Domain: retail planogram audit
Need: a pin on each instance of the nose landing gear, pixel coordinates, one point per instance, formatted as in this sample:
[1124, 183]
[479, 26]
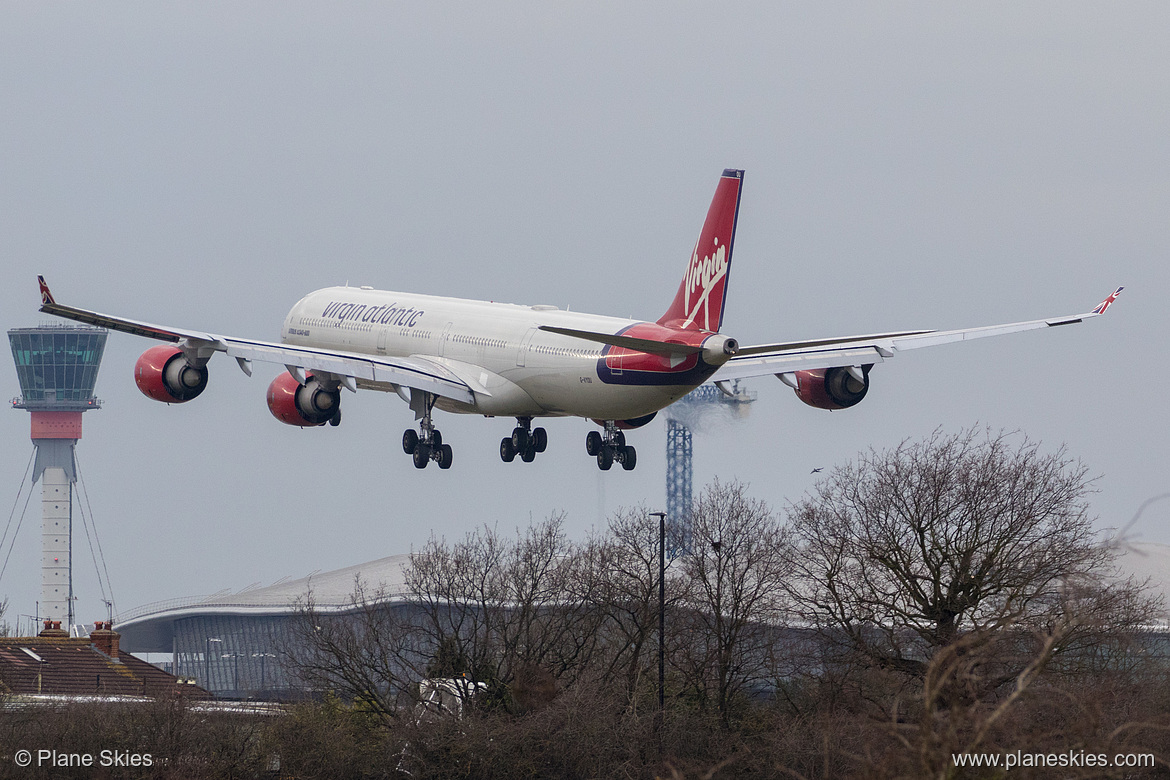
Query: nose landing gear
[610, 448]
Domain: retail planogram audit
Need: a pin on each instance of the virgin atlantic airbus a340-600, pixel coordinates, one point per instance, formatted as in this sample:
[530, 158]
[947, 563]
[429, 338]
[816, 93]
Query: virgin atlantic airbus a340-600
[506, 360]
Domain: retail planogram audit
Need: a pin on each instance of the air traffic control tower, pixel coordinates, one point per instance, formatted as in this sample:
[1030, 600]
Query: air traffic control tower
[57, 367]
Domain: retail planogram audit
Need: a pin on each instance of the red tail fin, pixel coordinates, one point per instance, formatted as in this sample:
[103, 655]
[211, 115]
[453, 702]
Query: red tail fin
[699, 302]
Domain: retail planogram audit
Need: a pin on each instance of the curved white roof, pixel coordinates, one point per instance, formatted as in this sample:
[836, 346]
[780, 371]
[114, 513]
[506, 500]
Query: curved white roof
[1149, 560]
[150, 628]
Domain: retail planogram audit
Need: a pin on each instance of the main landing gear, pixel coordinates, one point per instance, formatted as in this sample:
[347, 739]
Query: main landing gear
[525, 441]
[611, 447]
[427, 444]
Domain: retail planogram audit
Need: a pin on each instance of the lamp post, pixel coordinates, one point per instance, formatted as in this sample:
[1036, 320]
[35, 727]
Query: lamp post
[263, 657]
[207, 662]
[236, 678]
[661, 611]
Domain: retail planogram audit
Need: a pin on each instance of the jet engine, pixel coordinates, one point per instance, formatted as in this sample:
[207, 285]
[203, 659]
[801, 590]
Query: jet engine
[832, 388]
[303, 405]
[163, 373]
[636, 422]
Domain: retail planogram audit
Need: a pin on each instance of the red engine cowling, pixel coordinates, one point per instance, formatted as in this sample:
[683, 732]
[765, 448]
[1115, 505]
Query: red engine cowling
[302, 405]
[163, 373]
[627, 425]
[831, 388]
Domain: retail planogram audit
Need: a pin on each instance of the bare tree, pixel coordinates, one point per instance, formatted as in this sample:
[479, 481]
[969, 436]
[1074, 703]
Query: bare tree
[946, 597]
[735, 574]
[903, 551]
[368, 653]
[629, 594]
[510, 612]
[963, 568]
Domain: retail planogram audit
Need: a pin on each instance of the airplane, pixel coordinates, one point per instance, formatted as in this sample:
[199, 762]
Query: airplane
[527, 362]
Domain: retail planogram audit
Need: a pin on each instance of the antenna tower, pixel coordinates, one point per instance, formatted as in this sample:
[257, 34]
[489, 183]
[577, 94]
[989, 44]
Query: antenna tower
[688, 412]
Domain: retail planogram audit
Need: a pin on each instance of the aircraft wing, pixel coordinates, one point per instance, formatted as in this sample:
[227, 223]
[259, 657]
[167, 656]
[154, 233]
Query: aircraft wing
[847, 351]
[349, 367]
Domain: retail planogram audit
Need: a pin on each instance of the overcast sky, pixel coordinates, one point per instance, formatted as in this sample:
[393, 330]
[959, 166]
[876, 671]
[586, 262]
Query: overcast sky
[908, 166]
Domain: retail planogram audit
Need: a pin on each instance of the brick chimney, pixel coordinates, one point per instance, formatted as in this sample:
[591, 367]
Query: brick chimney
[53, 629]
[105, 639]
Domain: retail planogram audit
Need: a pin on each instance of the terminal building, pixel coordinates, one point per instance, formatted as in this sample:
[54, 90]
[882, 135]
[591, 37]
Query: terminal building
[231, 644]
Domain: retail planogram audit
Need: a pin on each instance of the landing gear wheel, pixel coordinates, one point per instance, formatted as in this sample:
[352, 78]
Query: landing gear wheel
[520, 439]
[335, 420]
[528, 455]
[426, 444]
[422, 456]
[610, 446]
[629, 458]
[539, 439]
[593, 443]
[507, 451]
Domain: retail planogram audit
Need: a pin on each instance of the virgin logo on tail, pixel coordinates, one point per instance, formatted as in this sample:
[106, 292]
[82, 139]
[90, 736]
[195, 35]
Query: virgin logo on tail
[703, 276]
[699, 301]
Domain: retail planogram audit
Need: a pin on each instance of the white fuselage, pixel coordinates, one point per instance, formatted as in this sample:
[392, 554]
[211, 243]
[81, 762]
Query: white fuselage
[513, 368]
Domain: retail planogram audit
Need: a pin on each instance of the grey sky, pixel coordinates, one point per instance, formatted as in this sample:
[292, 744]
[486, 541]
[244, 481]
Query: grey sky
[908, 165]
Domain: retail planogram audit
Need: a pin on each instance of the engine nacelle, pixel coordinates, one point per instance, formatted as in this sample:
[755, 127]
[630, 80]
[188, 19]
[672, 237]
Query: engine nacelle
[636, 422]
[831, 388]
[163, 373]
[302, 405]
[718, 349]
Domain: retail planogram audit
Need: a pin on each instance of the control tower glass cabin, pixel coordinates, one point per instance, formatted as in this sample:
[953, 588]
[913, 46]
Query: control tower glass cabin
[57, 367]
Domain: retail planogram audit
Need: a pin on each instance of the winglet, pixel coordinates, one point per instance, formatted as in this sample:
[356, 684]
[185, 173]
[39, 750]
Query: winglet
[1105, 304]
[46, 296]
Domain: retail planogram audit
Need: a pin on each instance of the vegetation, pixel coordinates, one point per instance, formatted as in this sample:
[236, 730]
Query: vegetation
[948, 596]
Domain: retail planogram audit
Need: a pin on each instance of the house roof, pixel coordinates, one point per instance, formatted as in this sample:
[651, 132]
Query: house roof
[72, 666]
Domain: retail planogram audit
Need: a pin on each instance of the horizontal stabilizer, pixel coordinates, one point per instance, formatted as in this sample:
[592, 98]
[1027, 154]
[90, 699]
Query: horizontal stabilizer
[627, 342]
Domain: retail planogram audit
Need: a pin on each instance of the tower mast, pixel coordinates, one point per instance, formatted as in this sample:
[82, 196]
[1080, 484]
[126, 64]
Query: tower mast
[684, 415]
[57, 368]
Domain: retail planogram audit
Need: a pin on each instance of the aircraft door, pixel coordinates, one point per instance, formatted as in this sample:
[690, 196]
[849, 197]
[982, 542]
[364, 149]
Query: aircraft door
[443, 338]
[525, 343]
